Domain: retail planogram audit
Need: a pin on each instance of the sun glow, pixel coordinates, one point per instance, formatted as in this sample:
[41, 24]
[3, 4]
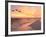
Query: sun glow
[24, 11]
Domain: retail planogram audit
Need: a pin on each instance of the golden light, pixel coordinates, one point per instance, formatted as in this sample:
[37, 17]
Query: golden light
[26, 11]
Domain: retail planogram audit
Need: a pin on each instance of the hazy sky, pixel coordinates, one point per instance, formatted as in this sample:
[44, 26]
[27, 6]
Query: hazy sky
[26, 11]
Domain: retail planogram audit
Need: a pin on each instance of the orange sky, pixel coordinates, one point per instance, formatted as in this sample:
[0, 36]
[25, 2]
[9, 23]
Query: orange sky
[27, 11]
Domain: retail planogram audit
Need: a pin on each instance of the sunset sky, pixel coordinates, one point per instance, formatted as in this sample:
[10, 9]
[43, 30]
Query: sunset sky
[25, 11]
[25, 18]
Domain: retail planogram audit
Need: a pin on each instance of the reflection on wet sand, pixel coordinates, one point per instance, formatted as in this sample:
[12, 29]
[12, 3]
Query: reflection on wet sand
[22, 24]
